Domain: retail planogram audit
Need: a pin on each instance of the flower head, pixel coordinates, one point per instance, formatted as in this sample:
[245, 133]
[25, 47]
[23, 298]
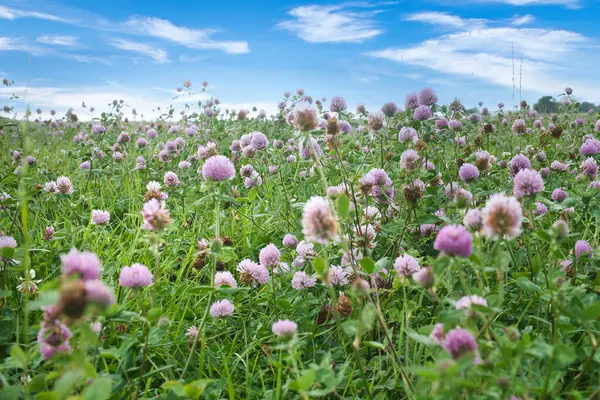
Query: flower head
[459, 342]
[406, 265]
[427, 97]
[528, 182]
[303, 281]
[135, 276]
[225, 278]
[318, 222]
[468, 172]
[100, 217]
[252, 273]
[85, 264]
[155, 216]
[269, 256]
[218, 168]
[422, 113]
[502, 216]
[221, 309]
[454, 240]
[284, 328]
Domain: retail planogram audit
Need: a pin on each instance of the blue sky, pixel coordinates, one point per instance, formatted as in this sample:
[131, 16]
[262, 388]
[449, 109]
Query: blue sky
[66, 52]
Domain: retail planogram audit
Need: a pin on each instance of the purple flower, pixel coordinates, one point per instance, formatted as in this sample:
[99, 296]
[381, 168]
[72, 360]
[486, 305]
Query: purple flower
[259, 141]
[559, 195]
[290, 241]
[568, 91]
[473, 219]
[409, 160]
[528, 182]
[518, 163]
[218, 168]
[474, 118]
[389, 109]
[597, 126]
[424, 277]
[459, 342]
[406, 265]
[302, 281]
[422, 113]
[221, 309]
[156, 217]
[590, 147]
[135, 276]
[376, 121]
[337, 276]
[407, 134]
[85, 264]
[337, 104]
[559, 166]
[269, 256]
[309, 149]
[437, 334]
[99, 294]
[454, 240]
[284, 328]
[583, 247]
[589, 167]
[98, 129]
[466, 302]
[64, 185]
[441, 124]
[502, 217]
[519, 127]
[151, 133]
[427, 97]
[540, 208]
[53, 338]
[100, 217]
[225, 278]
[455, 125]
[171, 179]
[318, 222]
[252, 273]
[468, 172]
[411, 101]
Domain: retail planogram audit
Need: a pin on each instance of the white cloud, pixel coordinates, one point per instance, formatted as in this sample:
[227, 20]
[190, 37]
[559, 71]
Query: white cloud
[443, 19]
[331, 24]
[489, 54]
[23, 45]
[192, 38]
[566, 3]
[159, 55]
[519, 20]
[58, 40]
[146, 103]
[12, 14]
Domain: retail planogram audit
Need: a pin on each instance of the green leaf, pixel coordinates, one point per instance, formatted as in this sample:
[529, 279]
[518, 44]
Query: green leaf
[10, 393]
[368, 265]
[66, 384]
[8, 252]
[304, 382]
[100, 389]
[45, 298]
[155, 313]
[320, 266]
[176, 387]
[427, 219]
[376, 345]
[343, 206]
[592, 312]
[252, 194]
[367, 316]
[382, 263]
[18, 356]
[526, 285]
[37, 383]
[417, 337]
[196, 388]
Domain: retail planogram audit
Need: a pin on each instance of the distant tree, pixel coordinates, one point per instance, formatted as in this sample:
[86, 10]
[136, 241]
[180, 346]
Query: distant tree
[546, 104]
[586, 106]
[472, 110]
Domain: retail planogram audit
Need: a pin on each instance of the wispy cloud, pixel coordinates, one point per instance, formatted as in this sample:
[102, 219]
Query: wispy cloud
[158, 55]
[58, 40]
[565, 3]
[443, 19]
[13, 13]
[519, 20]
[332, 24]
[188, 37]
[488, 54]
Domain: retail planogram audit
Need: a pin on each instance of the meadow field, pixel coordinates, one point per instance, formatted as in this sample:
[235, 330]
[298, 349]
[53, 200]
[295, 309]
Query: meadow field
[420, 251]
